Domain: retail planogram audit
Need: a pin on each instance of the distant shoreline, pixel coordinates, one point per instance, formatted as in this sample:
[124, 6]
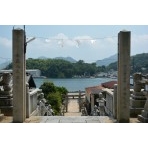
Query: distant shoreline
[40, 77]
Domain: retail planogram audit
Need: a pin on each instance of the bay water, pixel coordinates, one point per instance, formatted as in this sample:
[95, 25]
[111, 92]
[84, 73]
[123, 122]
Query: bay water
[73, 84]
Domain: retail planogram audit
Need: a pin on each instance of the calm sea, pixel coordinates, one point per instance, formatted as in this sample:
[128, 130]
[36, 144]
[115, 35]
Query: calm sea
[74, 84]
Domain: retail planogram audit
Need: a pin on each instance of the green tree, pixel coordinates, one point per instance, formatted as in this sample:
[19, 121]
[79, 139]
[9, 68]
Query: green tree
[54, 95]
[55, 100]
[62, 90]
[48, 87]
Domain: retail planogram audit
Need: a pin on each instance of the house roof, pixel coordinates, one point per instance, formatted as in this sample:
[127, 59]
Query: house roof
[94, 89]
[109, 84]
[99, 88]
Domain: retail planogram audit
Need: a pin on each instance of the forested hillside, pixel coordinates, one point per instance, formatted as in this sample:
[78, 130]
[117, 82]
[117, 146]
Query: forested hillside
[139, 63]
[59, 68]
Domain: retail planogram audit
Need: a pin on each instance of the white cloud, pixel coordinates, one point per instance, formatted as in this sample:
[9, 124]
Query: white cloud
[4, 42]
[5, 49]
[86, 48]
[64, 41]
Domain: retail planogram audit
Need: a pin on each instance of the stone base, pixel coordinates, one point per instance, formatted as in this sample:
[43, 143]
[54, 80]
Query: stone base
[124, 121]
[142, 119]
[134, 112]
[137, 103]
[136, 106]
[7, 111]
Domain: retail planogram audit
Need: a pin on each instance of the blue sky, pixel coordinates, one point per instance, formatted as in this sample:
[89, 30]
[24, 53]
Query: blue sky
[85, 42]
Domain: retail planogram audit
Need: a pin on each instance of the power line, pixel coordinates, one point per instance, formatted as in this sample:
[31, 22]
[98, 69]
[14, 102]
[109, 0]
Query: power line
[76, 38]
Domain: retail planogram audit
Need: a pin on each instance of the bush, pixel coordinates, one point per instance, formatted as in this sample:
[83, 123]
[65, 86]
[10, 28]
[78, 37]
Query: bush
[48, 87]
[54, 95]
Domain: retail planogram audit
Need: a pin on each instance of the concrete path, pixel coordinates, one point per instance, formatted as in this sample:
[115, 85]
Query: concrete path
[73, 108]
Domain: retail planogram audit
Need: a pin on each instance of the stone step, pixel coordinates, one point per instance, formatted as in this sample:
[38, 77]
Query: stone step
[68, 119]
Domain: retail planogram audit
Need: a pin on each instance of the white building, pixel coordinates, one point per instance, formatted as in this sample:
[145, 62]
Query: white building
[33, 72]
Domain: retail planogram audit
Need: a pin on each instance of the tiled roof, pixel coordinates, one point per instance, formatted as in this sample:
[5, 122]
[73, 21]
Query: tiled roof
[94, 89]
[109, 84]
[99, 88]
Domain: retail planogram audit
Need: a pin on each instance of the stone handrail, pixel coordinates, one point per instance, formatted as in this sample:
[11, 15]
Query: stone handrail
[34, 91]
[32, 101]
[109, 101]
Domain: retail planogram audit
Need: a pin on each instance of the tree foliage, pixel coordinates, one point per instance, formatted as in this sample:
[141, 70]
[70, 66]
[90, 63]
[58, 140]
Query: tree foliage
[48, 87]
[59, 68]
[55, 100]
[54, 95]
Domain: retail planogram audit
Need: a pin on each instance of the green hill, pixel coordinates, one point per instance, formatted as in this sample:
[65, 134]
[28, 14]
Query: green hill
[139, 63]
[59, 68]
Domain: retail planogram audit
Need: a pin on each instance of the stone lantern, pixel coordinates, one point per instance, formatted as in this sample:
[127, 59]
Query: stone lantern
[144, 113]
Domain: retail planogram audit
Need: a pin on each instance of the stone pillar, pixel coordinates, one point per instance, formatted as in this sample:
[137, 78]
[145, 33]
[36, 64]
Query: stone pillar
[123, 90]
[25, 95]
[19, 75]
[115, 101]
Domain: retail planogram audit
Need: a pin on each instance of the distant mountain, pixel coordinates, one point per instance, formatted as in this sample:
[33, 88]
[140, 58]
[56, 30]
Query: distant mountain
[42, 57]
[67, 59]
[107, 61]
[3, 65]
